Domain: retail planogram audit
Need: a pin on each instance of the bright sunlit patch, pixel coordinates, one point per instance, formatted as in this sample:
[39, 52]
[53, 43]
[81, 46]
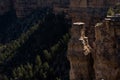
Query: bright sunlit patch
[78, 23]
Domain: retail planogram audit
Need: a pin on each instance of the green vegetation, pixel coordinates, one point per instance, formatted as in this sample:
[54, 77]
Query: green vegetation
[110, 12]
[39, 53]
[117, 8]
[41, 69]
[14, 45]
[114, 10]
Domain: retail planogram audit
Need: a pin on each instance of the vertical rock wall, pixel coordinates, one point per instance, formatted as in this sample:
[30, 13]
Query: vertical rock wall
[106, 61]
[79, 60]
[102, 63]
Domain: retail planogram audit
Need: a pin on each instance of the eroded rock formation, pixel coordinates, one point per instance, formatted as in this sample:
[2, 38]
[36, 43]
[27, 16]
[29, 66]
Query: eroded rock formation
[106, 56]
[96, 55]
[102, 63]
[78, 51]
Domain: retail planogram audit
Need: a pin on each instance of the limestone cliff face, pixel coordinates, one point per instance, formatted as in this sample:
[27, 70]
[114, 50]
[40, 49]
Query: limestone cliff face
[106, 56]
[78, 51]
[102, 63]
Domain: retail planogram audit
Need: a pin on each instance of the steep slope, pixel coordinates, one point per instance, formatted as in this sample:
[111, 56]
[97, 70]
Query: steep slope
[102, 63]
[41, 48]
[106, 56]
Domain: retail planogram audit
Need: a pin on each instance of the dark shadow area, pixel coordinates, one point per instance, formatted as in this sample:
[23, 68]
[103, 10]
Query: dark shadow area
[51, 34]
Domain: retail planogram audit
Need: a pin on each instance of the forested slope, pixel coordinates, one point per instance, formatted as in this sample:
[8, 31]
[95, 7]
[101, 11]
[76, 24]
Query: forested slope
[39, 53]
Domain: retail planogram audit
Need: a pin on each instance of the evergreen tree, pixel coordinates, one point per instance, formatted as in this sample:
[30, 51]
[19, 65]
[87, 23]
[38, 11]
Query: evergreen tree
[38, 63]
[110, 12]
[47, 55]
[45, 66]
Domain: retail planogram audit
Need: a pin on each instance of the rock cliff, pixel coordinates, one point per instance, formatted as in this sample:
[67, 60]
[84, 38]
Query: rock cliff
[93, 50]
[102, 62]
[106, 56]
[25, 7]
[78, 54]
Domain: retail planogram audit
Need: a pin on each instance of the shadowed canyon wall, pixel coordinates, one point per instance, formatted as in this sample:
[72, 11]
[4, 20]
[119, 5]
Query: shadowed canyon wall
[25, 7]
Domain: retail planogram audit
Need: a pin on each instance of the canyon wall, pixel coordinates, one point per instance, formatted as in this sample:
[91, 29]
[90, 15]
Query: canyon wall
[78, 54]
[107, 46]
[98, 57]
[25, 7]
[102, 63]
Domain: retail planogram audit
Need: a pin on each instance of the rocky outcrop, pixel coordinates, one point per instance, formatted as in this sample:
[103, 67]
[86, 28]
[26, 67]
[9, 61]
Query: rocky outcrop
[93, 52]
[106, 56]
[78, 50]
[102, 63]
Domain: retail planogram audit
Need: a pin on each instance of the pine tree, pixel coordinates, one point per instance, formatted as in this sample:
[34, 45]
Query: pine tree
[46, 66]
[30, 70]
[47, 55]
[38, 63]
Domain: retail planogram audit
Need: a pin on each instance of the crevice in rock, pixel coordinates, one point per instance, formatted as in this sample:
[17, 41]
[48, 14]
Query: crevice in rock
[91, 67]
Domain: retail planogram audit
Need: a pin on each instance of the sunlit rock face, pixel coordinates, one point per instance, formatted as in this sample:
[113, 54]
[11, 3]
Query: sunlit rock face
[77, 55]
[107, 54]
[104, 55]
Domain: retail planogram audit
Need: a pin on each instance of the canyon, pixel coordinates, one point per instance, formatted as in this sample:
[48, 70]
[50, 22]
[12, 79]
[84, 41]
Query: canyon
[102, 59]
[94, 47]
